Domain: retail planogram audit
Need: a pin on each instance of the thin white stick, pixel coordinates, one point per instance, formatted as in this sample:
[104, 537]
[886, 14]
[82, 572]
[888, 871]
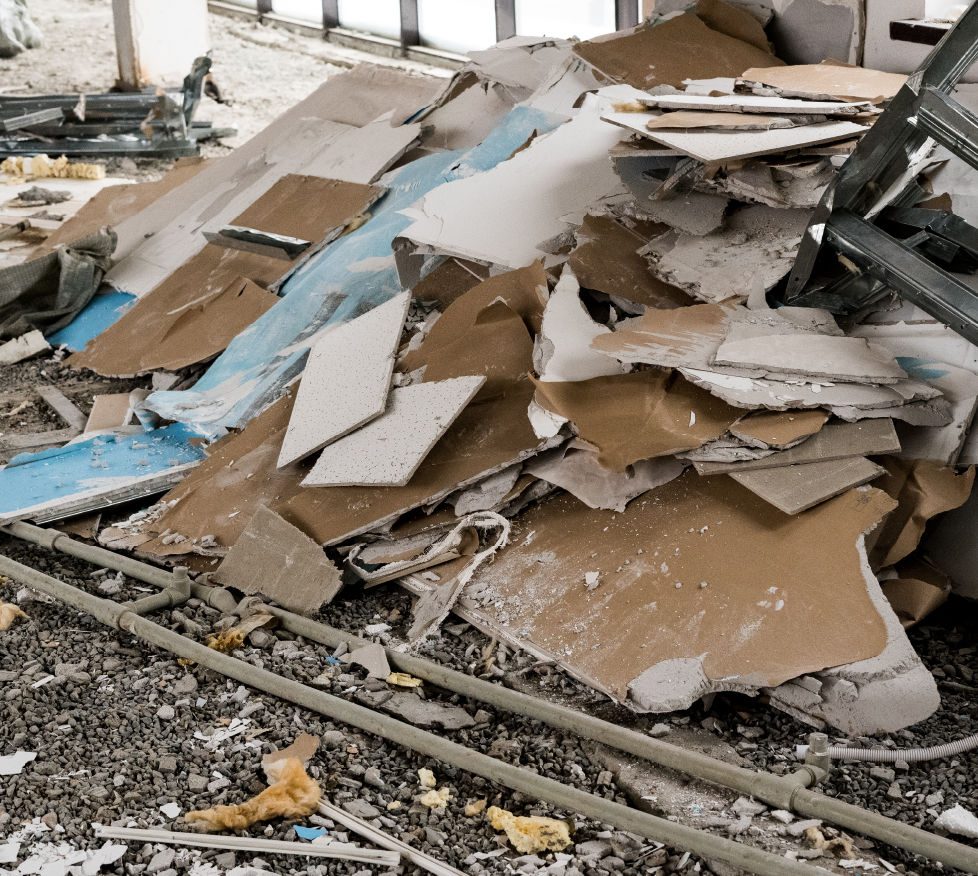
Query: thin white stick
[386, 841]
[340, 851]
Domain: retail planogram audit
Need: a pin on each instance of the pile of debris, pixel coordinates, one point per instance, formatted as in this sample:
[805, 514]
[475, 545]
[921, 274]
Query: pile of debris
[512, 344]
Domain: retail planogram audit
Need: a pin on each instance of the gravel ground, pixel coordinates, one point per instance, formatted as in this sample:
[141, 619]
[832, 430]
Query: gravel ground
[114, 731]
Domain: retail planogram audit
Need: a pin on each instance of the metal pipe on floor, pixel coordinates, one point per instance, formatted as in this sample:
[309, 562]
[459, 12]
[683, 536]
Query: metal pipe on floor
[783, 792]
[749, 858]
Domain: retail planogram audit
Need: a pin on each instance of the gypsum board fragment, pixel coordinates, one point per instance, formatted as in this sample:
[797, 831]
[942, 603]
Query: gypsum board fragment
[777, 791]
[749, 858]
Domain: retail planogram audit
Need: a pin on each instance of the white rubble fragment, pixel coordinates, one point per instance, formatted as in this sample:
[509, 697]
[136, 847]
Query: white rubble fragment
[13, 764]
[958, 820]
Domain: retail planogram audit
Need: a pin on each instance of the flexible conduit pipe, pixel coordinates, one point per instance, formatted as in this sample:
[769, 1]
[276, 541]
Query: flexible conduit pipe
[749, 858]
[910, 755]
[783, 792]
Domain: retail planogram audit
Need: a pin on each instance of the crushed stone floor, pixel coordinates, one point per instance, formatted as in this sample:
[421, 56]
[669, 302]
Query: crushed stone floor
[114, 731]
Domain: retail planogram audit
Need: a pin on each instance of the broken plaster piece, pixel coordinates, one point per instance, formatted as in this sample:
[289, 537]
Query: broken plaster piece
[274, 558]
[346, 380]
[530, 833]
[389, 450]
[756, 247]
[13, 764]
[24, 347]
[563, 347]
[373, 658]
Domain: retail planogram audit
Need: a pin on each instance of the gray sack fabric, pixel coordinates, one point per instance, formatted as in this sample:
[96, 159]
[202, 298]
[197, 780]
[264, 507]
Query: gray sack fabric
[17, 31]
[48, 292]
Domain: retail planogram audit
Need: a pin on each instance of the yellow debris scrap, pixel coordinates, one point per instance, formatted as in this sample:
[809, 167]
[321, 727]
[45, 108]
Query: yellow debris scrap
[402, 679]
[531, 833]
[226, 640]
[8, 614]
[43, 167]
[476, 808]
[292, 794]
[435, 799]
[427, 778]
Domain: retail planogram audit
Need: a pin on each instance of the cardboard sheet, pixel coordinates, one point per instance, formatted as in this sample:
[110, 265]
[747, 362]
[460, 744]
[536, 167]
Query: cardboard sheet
[922, 490]
[109, 412]
[387, 451]
[827, 81]
[834, 441]
[523, 291]
[606, 260]
[796, 488]
[753, 251]
[734, 21]
[502, 216]
[446, 282]
[672, 616]
[346, 379]
[630, 417]
[175, 326]
[275, 559]
[710, 145]
[680, 48]
[917, 591]
[777, 429]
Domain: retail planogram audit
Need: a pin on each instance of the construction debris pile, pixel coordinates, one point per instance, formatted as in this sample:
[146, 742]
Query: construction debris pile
[513, 344]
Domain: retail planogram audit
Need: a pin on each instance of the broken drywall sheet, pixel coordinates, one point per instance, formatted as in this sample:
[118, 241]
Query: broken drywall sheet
[207, 301]
[563, 346]
[824, 82]
[351, 276]
[387, 451]
[809, 31]
[806, 356]
[630, 417]
[670, 622]
[755, 249]
[834, 441]
[505, 215]
[692, 212]
[752, 103]
[778, 430]
[680, 48]
[951, 544]
[273, 558]
[606, 260]
[353, 98]
[579, 472]
[317, 148]
[520, 62]
[879, 694]
[796, 488]
[95, 473]
[689, 337]
[714, 144]
[849, 401]
[346, 379]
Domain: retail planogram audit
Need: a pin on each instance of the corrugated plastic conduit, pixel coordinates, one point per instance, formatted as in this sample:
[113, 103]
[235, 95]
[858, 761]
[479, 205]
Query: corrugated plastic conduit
[908, 755]
[784, 792]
